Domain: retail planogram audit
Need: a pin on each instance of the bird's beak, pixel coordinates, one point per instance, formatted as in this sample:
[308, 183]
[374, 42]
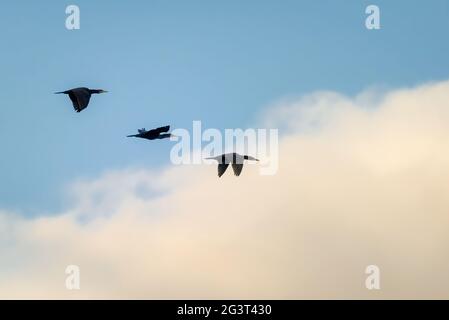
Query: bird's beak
[105, 91]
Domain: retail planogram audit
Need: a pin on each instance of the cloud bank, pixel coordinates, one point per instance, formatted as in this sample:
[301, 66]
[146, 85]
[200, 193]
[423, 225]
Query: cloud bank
[361, 181]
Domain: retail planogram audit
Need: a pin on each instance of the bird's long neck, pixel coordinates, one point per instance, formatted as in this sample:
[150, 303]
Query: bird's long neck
[164, 135]
[94, 91]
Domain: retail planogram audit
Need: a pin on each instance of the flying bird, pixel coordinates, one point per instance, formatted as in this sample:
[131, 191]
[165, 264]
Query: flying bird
[235, 159]
[158, 133]
[80, 96]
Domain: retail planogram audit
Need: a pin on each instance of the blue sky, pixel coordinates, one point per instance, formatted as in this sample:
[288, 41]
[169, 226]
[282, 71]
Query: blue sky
[171, 62]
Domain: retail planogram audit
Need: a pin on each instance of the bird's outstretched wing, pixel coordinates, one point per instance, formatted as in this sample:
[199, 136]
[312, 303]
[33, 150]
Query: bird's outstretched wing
[222, 168]
[237, 167]
[80, 98]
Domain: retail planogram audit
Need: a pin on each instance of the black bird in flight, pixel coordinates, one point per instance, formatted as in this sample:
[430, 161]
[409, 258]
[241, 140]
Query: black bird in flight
[80, 96]
[235, 159]
[153, 134]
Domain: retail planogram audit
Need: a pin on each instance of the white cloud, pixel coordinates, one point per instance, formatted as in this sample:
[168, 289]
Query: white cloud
[361, 181]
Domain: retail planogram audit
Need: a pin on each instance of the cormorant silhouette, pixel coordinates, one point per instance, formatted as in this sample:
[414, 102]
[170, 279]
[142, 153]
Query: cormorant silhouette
[153, 134]
[80, 96]
[235, 159]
